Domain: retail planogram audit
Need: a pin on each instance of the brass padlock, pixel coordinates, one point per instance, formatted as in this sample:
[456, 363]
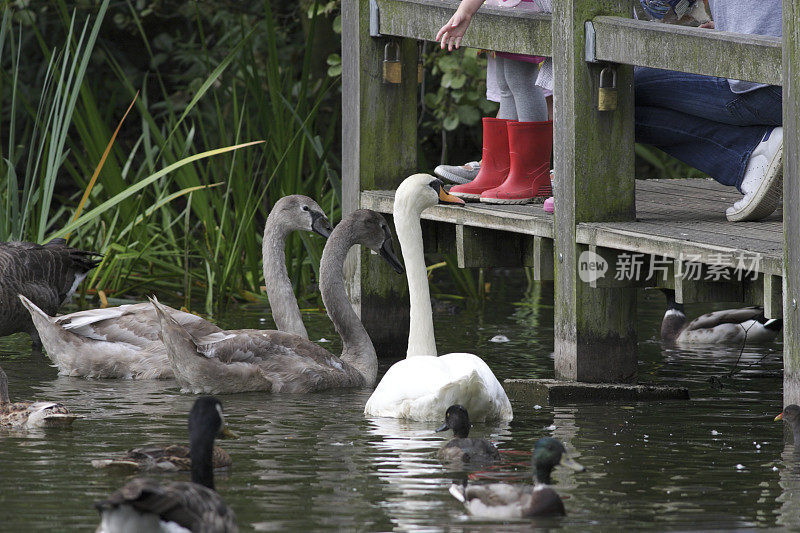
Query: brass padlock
[607, 93]
[392, 68]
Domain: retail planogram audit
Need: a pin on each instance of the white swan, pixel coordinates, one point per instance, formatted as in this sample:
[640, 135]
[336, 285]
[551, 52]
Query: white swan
[122, 342]
[422, 386]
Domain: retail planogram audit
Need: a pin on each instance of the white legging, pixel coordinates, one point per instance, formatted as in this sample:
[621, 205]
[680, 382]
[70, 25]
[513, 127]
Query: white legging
[520, 98]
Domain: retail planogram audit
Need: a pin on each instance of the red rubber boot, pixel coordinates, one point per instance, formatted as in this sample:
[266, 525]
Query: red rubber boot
[495, 164]
[530, 146]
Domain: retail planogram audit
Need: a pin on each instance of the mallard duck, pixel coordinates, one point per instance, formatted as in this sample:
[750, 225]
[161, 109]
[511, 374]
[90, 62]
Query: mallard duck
[31, 414]
[47, 275]
[123, 342]
[730, 326]
[275, 361]
[504, 501]
[171, 458]
[422, 386]
[462, 448]
[791, 415]
[147, 505]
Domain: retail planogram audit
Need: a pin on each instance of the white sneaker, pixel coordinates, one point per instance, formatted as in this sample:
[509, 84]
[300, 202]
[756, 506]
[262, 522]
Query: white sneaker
[458, 174]
[762, 184]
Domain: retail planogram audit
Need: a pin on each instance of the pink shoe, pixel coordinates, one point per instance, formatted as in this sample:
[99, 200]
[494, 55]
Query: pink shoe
[549, 205]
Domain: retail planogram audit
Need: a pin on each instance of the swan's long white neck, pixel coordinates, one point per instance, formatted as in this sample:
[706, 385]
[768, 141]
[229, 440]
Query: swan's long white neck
[282, 301]
[421, 338]
[357, 348]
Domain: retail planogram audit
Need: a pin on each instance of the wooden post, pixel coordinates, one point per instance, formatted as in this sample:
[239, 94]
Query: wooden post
[379, 149]
[595, 328]
[791, 201]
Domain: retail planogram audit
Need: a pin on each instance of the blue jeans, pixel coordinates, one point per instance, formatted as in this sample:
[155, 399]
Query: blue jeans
[700, 121]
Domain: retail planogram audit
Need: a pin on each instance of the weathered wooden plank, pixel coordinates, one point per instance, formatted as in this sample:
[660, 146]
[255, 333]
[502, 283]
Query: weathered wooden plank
[529, 221]
[791, 201]
[379, 149]
[478, 247]
[543, 259]
[656, 239]
[714, 53]
[595, 328]
[492, 28]
[773, 296]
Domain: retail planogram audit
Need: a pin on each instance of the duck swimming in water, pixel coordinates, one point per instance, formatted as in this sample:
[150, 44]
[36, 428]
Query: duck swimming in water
[31, 414]
[463, 448]
[730, 326]
[147, 505]
[503, 501]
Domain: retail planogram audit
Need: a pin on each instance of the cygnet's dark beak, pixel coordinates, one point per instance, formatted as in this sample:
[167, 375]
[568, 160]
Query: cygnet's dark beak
[387, 252]
[320, 225]
[444, 427]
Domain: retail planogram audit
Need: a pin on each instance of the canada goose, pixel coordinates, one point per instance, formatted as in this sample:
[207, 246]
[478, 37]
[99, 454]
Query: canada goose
[791, 415]
[732, 326]
[504, 501]
[47, 275]
[462, 448]
[146, 505]
[122, 342]
[422, 386]
[171, 458]
[275, 361]
[31, 414]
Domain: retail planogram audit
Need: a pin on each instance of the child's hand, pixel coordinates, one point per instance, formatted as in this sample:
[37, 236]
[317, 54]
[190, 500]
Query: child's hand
[451, 33]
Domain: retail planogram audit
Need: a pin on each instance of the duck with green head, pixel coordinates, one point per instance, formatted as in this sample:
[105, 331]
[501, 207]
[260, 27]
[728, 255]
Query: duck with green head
[504, 501]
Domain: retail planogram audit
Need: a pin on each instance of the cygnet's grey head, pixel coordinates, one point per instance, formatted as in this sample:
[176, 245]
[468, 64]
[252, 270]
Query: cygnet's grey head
[300, 212]
[370, 229]
[422, 191]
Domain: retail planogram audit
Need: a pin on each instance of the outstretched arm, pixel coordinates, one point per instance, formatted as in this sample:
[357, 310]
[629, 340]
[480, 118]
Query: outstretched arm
[451, 33]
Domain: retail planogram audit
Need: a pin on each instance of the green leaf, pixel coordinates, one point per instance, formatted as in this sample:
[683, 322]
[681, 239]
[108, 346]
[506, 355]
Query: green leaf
[450, 122]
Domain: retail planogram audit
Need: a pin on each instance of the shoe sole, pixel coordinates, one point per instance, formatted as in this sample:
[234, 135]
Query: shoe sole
[466, 196]
[766, 199]
[502, 201]
[452, 178]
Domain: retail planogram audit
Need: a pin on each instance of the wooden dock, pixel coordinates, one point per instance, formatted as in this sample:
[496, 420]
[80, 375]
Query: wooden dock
[600, 206]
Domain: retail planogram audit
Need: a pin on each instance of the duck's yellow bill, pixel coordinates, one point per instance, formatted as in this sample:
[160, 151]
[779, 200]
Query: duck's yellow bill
[569, 462]
[447, 198]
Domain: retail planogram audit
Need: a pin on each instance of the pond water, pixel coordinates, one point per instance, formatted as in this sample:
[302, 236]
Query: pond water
[314, 462]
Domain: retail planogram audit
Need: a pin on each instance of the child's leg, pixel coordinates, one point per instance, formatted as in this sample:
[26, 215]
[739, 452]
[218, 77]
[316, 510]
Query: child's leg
[508, 107]
[520, 76]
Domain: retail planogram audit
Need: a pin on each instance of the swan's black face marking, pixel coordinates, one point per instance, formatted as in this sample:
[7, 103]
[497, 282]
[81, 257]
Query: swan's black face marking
[443, 196]
[387, 251]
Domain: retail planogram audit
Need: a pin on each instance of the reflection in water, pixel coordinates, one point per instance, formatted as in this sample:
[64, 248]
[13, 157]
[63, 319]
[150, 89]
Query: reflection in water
[313, 462]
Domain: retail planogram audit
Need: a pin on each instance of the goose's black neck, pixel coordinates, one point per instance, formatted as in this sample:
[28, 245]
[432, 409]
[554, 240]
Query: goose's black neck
[201, 447]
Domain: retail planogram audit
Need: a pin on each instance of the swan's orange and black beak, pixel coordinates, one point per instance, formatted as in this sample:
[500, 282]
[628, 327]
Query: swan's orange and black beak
[779, 417]
[444, 196]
